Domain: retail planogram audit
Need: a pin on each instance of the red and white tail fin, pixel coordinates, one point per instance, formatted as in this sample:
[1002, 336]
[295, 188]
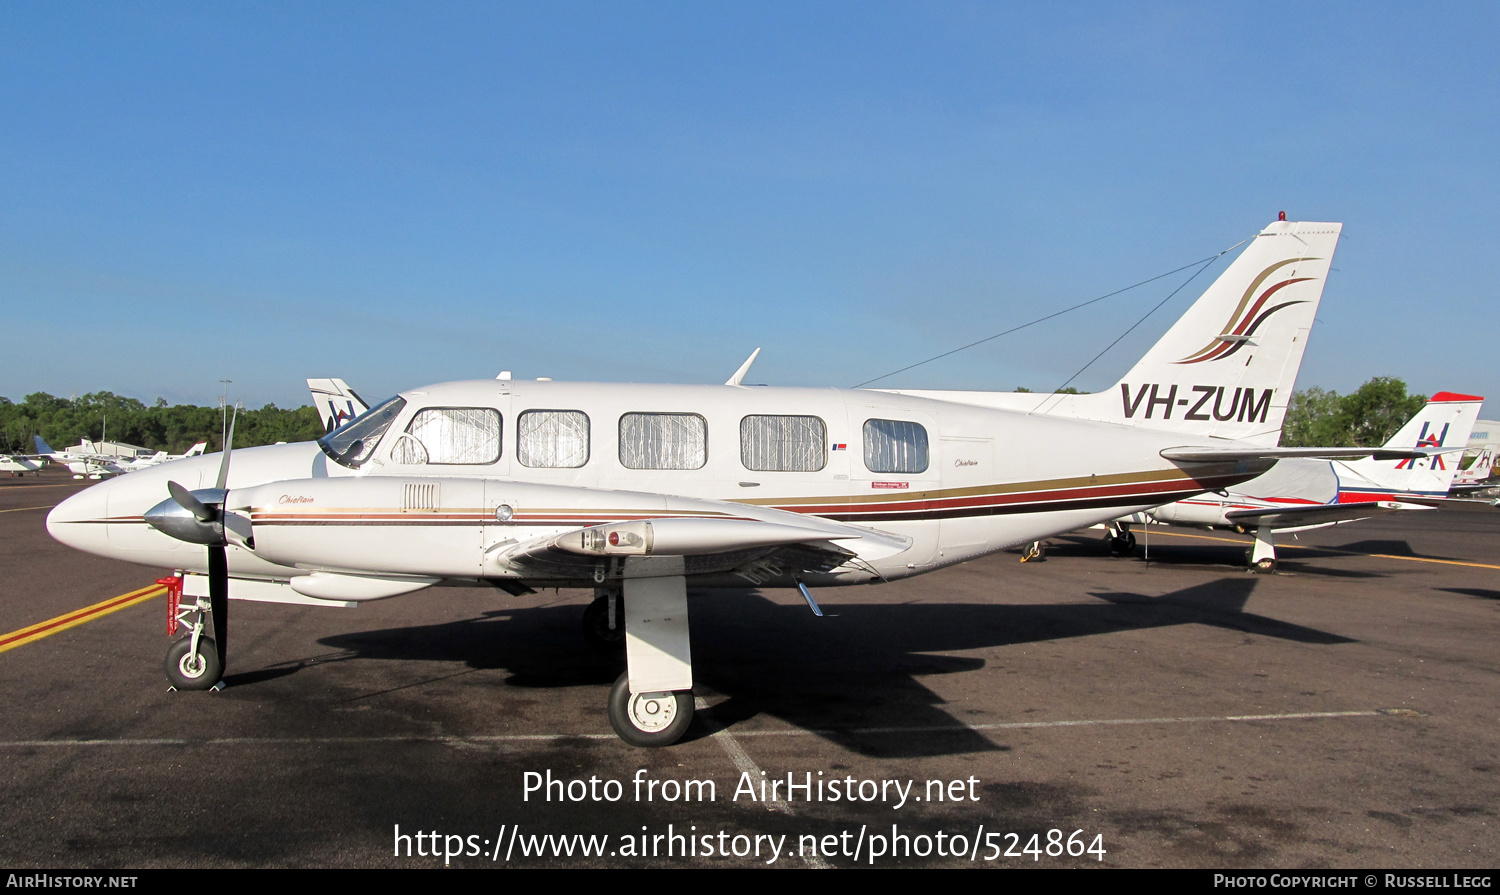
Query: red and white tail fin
[1476, 472]
[1445, 422]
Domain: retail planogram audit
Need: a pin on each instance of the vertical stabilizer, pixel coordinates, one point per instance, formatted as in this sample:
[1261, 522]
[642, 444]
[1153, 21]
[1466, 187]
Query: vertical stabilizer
[1445, 421]
[1227, 367]
[337, 403]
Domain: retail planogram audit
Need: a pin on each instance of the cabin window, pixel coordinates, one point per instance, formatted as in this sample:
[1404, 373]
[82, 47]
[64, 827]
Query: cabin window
[663, 441]
[895, 446]
[450, 436]
[783, 443]
[552, 439]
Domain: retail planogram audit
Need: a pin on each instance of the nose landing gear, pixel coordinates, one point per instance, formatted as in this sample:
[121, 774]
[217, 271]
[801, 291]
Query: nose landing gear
[192, 662]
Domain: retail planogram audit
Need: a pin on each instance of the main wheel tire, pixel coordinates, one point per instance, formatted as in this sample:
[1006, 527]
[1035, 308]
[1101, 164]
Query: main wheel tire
[596, 628]
[1265, 566]
[649, 719]
[193, 671]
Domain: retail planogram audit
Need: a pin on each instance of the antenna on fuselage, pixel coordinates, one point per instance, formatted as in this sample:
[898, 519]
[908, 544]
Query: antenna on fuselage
[739, 374]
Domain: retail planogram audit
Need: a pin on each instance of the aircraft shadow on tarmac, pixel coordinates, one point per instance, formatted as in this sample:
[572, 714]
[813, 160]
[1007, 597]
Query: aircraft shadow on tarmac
[1480, 592]
[1169, 552]
[852, 677]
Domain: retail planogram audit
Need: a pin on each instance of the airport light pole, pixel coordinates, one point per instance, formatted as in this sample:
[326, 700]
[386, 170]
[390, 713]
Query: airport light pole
[224, 413]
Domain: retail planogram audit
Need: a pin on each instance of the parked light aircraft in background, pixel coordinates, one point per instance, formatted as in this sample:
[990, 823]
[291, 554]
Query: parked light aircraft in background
[161, 457]
[337, 403]
[84, 464]
[93, 464]
[1476, 476]
[641, 491]
[20, 464]
[1301, 494]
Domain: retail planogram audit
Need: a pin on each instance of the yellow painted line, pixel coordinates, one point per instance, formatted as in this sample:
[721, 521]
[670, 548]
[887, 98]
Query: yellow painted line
[1445, 562]
[19, 509]
[64, 485]
[78, 617]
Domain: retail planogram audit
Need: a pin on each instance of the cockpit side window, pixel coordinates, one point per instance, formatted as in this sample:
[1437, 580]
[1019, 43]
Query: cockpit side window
[450, 436]
[352, 443]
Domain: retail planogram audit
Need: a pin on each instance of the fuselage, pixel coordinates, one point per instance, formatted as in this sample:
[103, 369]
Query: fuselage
[458, 469]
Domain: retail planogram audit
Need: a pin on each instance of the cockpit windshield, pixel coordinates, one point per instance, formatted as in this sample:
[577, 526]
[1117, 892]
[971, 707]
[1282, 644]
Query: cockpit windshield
[352, 443]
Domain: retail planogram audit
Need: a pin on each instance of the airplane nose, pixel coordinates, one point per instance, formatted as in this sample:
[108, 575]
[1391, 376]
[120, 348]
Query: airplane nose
[79, 521]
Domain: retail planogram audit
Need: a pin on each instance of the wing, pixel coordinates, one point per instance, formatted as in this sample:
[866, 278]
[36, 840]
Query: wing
[754, 550]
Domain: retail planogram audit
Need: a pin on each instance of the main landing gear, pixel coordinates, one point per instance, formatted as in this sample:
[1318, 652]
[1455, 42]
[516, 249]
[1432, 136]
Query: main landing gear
[651, 704]
[1262, 556]
[649, 719]
[1121, 538]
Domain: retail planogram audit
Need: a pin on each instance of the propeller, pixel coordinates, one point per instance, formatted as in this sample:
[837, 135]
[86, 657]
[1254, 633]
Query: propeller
[198, 518]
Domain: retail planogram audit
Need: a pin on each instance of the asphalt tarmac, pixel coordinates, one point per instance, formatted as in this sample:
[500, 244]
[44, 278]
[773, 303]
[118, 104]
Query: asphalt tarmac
[1176, 712]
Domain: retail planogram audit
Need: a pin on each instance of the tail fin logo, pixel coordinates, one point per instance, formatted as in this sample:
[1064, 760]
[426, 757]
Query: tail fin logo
[1248, 315]
[1426, 440]
[341, 415]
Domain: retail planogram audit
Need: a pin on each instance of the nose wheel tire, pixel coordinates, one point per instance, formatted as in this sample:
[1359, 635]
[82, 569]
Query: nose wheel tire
[649, 719]
[188, 670]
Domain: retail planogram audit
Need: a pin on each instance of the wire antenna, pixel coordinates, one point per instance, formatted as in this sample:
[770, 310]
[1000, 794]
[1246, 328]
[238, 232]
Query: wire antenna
[1203, 261]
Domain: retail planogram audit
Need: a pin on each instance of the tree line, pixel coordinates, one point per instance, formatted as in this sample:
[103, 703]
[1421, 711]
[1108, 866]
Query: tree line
[62, 422]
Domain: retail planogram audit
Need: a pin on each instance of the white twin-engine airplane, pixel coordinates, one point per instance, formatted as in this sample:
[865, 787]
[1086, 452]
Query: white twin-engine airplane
[642, 491]
[1301, 494]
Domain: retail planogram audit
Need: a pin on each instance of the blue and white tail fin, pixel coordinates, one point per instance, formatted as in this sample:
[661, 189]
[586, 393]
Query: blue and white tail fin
[1444, 425]
[337, 403]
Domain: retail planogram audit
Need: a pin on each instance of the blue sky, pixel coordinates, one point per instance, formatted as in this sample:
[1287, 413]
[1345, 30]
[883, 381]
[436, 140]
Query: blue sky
[399, 194]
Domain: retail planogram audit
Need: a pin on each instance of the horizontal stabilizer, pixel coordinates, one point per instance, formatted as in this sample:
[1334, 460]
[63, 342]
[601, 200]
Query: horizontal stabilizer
[1297, 517]
[1199, 454]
